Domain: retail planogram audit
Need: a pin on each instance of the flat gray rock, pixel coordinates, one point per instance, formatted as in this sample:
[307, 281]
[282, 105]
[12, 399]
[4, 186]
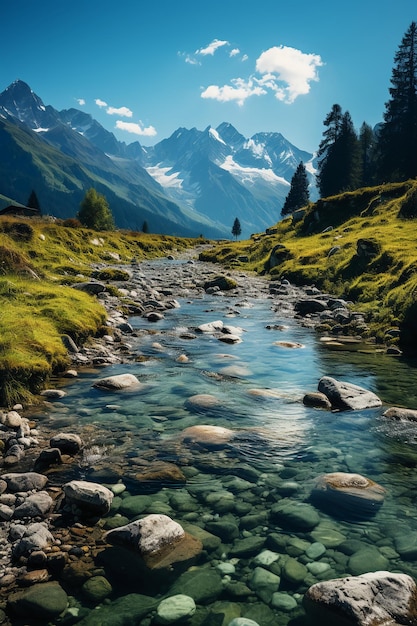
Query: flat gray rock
[346, 396]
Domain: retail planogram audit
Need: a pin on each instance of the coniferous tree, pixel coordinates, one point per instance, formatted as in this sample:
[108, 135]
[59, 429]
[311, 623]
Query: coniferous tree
[298, 195]
[236, 229]
[397, 139]
[338, 155]
[33, 202]
[347, 156]
[145, 227]
[95, 212]
[367, 154]
[326, 167]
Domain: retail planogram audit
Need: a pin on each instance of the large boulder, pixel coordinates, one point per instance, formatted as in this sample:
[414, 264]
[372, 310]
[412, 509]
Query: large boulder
[346, 396]
[372, 599]
[90, 498]
[44, 601]
[158, 539]
[349, 496]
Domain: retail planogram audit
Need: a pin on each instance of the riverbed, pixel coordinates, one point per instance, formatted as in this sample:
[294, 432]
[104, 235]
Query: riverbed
[280, 447]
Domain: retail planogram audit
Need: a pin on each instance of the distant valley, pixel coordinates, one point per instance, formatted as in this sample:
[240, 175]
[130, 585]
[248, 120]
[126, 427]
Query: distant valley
[196, 182]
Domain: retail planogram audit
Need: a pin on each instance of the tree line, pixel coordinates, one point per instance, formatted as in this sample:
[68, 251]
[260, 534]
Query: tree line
[388, 153]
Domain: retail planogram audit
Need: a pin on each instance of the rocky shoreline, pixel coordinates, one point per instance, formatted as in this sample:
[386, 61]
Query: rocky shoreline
[51, 534]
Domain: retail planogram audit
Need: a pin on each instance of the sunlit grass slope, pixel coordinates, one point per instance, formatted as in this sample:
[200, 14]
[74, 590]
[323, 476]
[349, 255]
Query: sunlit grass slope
[39, 261]
[322, 249]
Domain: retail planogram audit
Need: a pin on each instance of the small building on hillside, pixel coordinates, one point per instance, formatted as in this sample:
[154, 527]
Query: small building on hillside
[20, 211]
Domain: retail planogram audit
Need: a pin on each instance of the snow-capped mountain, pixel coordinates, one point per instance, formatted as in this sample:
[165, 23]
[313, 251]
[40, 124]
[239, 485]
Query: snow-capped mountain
[224, 175]
[194, 182]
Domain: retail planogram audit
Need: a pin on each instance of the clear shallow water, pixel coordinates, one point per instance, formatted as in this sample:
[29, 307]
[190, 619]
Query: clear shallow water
[281, 448]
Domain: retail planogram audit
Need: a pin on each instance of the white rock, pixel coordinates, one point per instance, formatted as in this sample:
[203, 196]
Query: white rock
[89, 497]
[377, 598]
[147, 535]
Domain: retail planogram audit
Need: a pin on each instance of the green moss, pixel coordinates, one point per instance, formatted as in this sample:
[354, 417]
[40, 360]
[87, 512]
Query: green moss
[112, 274]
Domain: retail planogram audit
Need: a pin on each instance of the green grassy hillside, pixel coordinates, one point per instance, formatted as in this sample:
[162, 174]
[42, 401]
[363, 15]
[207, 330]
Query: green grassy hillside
[39, 261]
[359, 245]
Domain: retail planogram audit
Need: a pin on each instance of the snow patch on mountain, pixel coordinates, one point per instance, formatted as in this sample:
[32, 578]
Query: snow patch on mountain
[251, 175]
[258, 150]
[213, 133]
[160, 174]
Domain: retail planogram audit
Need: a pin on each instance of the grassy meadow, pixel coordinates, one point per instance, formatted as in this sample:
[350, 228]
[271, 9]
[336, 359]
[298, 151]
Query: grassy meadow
[322, 249]
[39, 262]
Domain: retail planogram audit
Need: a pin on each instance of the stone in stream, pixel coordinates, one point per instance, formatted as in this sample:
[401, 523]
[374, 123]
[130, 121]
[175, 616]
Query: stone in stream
[400, 414]
[202, 402]
[175, 608]
[317, 400]
[158, 539]
[348, 496]
[68, 443]
[43, 601]
[207, 435]
[25, 481]
[376, 599]
[345, 396]
[115, 383]
[90, 498]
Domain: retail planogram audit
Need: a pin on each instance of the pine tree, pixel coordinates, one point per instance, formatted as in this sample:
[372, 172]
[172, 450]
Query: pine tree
[326, 170]
[347, 155]
[338, 155]
[298, 195]
[367, 155]
[145, 227]
[236, 229]
[33, 201]
[95, 212]
[397, 140]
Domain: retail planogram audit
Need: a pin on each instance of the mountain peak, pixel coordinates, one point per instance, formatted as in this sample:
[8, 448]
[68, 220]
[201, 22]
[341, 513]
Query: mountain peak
[20, 102]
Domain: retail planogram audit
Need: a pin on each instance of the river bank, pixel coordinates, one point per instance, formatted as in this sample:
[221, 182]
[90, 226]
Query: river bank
[72, 534]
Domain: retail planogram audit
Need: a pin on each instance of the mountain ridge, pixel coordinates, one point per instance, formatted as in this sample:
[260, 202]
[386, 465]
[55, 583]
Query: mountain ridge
[193, 182]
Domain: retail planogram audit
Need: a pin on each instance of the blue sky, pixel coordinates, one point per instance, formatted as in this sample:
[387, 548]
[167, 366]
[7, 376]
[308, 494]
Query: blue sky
[144, 68]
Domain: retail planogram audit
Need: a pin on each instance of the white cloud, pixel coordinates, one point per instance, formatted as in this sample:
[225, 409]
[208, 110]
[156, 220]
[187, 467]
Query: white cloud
[234, 52]
[136, 129]
[239, 91]
[191, 60]
[123, 111]
[81, 101]
[212, 47]
[245, 57]
[100, 103]
[288, 71]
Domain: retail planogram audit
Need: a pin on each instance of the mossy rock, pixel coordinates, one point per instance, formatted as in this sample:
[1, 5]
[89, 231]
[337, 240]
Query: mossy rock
[224, 283]
[112, 274]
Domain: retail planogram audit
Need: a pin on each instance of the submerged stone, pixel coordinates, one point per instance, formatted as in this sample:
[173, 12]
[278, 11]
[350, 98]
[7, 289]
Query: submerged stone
[175, 608]
[348, 496]
[41, 601]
